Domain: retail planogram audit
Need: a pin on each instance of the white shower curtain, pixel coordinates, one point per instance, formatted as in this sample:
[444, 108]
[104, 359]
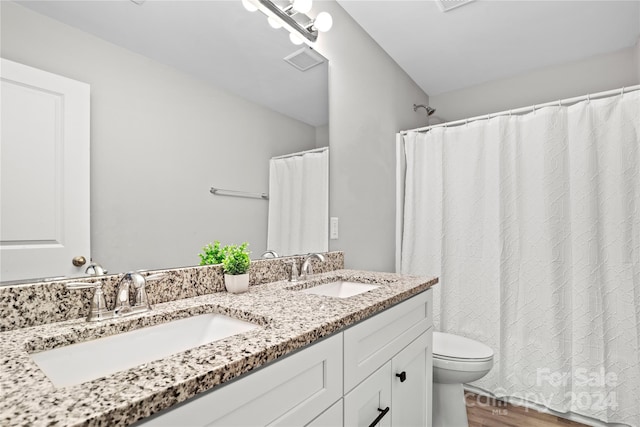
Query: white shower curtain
[533, 224]
[299, 203]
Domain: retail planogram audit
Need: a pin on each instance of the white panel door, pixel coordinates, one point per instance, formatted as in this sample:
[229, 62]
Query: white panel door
[44, 173]
[370, 401]
[411, 383]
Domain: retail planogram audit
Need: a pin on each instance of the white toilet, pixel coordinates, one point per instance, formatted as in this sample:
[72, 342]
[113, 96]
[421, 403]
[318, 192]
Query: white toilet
[456, 360]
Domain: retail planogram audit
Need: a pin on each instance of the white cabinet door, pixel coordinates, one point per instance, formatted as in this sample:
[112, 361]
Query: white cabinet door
[370, 400]
[44, 173]
[411, 384]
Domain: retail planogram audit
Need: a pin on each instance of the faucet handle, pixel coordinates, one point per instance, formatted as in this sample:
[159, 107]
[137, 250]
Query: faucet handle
[98, 309]
[294, 271]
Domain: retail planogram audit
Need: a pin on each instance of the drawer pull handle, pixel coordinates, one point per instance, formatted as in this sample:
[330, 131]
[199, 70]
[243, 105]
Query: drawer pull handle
[383, 412]
[403, 376]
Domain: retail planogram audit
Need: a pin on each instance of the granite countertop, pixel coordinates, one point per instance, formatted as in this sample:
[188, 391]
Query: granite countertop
[288, 320]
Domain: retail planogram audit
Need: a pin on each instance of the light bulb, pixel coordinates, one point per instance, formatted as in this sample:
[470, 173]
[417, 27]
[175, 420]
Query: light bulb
[275, 23]
[295, 39]
[249, 6]
[323, 22]
[302, 6]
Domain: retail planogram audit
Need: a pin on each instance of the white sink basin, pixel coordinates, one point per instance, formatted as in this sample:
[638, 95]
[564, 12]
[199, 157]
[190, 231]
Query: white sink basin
[340, 289]
[78, 363]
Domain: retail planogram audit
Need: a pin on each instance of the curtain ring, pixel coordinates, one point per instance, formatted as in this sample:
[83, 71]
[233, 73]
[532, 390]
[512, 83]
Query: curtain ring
[588, 97]
[534, 109]
[622, 91]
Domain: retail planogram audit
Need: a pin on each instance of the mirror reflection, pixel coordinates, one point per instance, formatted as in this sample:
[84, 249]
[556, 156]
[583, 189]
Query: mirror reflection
[184, 96]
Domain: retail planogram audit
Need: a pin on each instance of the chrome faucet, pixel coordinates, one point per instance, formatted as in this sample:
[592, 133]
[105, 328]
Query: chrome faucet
[95, 269]
[98, 309]
[307, 268]
[269, 254]
[139, 283]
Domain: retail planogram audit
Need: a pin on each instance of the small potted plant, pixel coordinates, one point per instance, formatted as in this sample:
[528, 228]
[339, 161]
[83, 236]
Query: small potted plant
[236, 268]
[212, 254]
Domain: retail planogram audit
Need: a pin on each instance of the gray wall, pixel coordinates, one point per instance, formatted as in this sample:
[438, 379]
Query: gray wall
[370, 99]
[322, 136]
[596, 74]
[201, 144]
[637, 56]
[159, 140]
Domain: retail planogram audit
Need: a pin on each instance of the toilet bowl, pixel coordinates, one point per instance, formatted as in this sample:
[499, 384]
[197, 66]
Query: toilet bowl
[456, 360]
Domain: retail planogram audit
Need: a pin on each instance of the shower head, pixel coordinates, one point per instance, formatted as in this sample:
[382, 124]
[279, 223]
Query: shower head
[428, 109]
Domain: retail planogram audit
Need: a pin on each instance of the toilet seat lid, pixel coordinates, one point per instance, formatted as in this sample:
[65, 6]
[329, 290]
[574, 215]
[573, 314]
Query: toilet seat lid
[449, 346]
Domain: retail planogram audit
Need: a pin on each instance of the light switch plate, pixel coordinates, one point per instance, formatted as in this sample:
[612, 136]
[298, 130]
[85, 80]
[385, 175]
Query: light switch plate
[333, 228]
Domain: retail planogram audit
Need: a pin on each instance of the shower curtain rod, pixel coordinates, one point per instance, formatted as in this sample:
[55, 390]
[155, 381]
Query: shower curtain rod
[529, 109]
[301, 153]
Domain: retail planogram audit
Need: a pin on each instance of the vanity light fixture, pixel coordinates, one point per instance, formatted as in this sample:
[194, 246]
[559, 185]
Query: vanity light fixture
[295, 39]
[292, 15]
[249, 6]
[302, 6]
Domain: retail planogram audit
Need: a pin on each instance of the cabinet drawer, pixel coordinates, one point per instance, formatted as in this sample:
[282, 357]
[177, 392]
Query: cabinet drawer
[292, 391]
[370, 344]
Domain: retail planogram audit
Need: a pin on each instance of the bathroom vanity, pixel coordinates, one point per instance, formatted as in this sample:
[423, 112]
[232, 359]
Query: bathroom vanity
[379, 369]
[308, 359]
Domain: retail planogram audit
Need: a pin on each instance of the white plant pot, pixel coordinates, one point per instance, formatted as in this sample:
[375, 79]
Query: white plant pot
[236, 284]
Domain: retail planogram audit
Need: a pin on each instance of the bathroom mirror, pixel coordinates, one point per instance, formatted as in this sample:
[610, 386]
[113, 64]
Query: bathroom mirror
[185, 96]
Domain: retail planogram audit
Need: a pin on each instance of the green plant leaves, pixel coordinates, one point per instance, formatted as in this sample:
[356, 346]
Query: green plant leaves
[213, 254]
[234, 258]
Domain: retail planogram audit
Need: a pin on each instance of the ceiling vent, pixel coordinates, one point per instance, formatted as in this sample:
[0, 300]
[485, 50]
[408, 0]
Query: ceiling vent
[305, 59]
[447, 5]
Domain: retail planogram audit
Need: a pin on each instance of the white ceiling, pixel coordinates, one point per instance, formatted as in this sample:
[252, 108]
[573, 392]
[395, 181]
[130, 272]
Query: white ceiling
[217, 41]
[220, 42]
[487, 40]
